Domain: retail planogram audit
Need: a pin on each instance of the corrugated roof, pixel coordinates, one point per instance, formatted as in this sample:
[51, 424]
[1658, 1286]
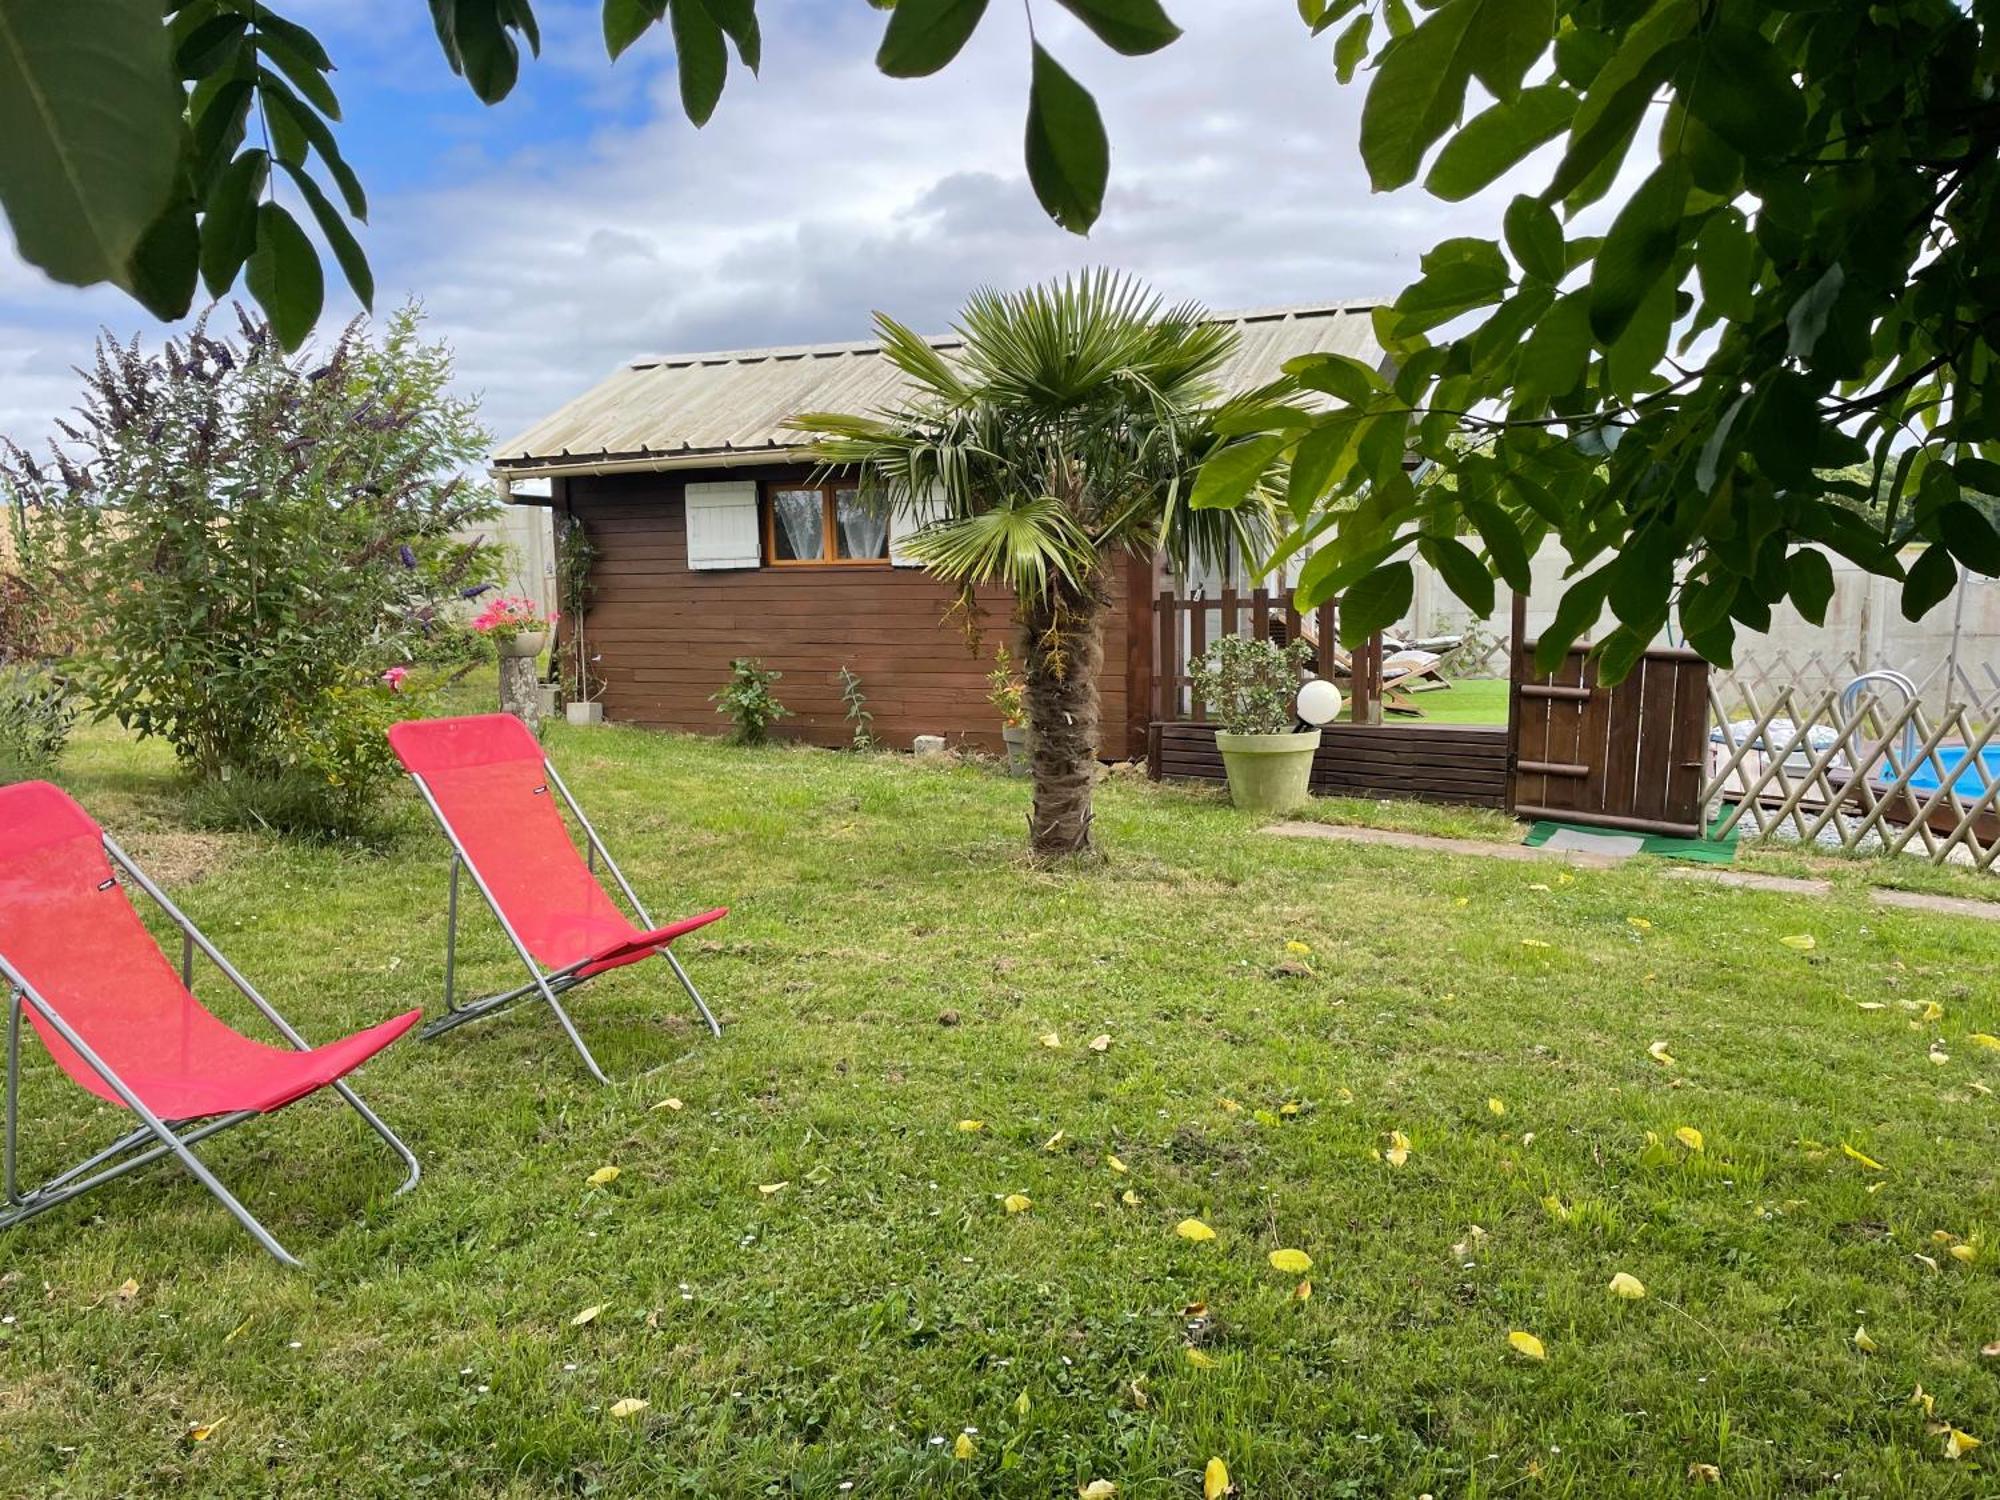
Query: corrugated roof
[683, 409]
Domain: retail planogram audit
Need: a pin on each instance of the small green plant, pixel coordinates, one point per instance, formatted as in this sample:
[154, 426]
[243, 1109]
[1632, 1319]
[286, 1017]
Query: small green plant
[37, 712]
[1005, 690]
[748, 700]
[1250, 686]
[860, 721]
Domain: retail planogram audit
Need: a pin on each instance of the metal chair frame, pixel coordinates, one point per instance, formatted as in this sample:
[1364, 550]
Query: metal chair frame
[549, 983]
[169, 1137]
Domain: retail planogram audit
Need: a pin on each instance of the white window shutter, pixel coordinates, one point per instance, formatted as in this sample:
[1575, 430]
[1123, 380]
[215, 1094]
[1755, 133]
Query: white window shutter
[904, 523]
[722, 529]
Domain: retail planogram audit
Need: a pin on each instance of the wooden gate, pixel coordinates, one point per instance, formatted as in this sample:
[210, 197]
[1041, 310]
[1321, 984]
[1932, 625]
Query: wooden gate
[1632, 756]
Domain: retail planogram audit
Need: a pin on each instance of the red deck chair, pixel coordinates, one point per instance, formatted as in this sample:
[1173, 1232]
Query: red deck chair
[486, 779]
[117, 1018]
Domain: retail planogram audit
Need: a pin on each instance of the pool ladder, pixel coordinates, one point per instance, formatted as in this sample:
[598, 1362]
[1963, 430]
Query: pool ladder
[1850, 701]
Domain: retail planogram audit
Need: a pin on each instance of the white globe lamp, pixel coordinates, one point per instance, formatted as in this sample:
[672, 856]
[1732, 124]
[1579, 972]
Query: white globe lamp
[1319, 702]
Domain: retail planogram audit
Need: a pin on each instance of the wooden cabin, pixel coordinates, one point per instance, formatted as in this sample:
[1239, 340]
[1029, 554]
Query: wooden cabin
[715, 538]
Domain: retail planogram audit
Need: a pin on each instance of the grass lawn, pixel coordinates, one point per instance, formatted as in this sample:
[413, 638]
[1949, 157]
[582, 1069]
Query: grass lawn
[808, 1268]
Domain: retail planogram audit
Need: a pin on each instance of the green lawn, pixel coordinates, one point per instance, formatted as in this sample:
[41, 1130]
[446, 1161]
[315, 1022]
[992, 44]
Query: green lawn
[889, 971]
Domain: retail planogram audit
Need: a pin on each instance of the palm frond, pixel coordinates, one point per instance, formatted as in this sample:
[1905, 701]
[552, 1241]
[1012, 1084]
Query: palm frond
[1026, 545]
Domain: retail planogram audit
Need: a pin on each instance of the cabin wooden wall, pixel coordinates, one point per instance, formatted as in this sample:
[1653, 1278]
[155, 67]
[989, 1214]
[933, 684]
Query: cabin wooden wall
[666, 633]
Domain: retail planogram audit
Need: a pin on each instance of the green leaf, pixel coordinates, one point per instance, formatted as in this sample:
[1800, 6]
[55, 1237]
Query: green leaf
[1354, 381]
[346, 249]
[700, 59]
[1576, 613]
[210, 46]
[1971, 537]
[1504, 546]
[1619, 652]
[308, 79]
[485, 50]
[625, 21]
[1809, 581]
[1805, 319]
[1069, 157]
[229, 230]
[1557, 353]
[1931, 579]
[1740, 88]
[162, 273]
[1375, 602]
[1617, 99]
[1131, 27]
[1230, 473]
[738, 20]
[1497, 138]
[90, 132]
[284, 275]
[1416, 94]
[1638, 250]
[1535, 237]
[1462, 571]
[280, 101]
[1322, 460]
[1449, 288]
[1725, 258]
[924, 35]
[1351, 46]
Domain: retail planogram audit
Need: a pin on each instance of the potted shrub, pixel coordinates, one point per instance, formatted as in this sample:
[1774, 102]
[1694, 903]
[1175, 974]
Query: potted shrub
[515, 626]
[1005, 691]
[1250, 687]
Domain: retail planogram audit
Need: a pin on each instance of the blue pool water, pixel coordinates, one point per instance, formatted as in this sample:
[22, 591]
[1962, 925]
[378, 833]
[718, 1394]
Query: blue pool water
[1969, 778]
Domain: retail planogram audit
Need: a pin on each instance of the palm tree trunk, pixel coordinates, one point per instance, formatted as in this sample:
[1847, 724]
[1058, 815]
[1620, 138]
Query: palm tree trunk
[1060, 660]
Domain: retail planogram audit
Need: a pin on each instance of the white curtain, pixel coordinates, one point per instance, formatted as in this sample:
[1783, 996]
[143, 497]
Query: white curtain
[863, 532]
[801, 517]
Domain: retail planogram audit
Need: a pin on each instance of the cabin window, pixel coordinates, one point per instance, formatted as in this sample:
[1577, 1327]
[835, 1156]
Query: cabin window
[815, 525]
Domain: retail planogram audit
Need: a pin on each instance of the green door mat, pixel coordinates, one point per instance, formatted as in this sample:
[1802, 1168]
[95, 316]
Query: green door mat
[1588, 840]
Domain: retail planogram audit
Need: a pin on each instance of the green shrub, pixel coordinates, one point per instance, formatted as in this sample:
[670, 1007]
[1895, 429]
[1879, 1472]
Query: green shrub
[748, 700]
[37, 711]
[860, 718]
[1250, 686]
[249, 542]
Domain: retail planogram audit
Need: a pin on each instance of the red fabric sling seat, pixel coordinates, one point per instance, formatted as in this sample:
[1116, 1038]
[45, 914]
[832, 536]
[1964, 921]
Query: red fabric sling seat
[68, 928]
[486, 775]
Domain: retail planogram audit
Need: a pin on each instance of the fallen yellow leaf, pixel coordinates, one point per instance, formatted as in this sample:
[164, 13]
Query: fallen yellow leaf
[1050, 1039]
[1867, 1161]
[1704, 1474]
[1130, 1199]
[1200, 1360]
[1535, 943]
[1659, 1054]
[1526, 1345]
[1114, 1163]
[1923, 1398]
[205, 1430]
[1689, 1137]
[1098, 1489]
[1932, 1011]
[1017, 1203]
[1640, 924]
[672, 1104]
[1863, 1342]
[1215, 1480]
[1100, 1044]
[630, 1406]
[1957, 1444]
[1288, 1109]
[602, 1177]
[969, 1126]
[588, 1315]
[1628, 1286]
[236, 1332]
[1985, 1039]
[1194, 1229]
[1022, 1405]
[1399, 1149]
[1299, 949]
[1964, 1253]
[1495, 1108]
[1555, 1208]
[127, 1290]
[1230, 1106]
[772, 1189]
[964, 1447]
[1805, 942]
[1055, 1141]
[1291, 1262]
[1303, 1292]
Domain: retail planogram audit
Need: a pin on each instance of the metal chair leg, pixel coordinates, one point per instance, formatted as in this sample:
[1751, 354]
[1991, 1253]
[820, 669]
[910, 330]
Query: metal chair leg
[714, 1026]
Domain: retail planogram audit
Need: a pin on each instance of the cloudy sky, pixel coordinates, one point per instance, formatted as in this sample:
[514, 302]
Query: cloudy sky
[585, 221]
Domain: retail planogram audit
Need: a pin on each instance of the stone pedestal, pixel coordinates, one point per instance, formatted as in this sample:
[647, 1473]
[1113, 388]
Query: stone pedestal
[520, 693]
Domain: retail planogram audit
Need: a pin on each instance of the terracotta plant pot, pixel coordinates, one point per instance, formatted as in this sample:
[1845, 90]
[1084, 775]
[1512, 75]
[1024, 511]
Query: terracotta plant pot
[527, 643]
[1268, 773]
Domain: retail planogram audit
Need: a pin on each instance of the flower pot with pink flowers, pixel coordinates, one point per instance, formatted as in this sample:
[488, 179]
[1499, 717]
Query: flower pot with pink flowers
[515, 626]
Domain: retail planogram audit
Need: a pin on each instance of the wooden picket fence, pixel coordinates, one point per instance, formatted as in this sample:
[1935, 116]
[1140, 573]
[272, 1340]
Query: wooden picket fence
[1849, 765]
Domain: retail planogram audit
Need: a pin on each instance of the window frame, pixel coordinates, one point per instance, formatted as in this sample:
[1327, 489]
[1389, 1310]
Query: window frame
[829, 497]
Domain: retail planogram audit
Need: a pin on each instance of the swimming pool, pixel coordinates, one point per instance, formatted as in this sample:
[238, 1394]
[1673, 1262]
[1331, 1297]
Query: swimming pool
[1970, 779]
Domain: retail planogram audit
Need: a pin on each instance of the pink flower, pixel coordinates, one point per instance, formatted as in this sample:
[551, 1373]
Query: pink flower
[394, 678]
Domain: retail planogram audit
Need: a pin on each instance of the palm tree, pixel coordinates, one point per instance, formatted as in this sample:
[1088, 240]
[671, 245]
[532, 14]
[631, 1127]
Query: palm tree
[1064, 429]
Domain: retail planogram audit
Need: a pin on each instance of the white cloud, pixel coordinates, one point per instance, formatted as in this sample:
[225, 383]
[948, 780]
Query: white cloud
[823, 191]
